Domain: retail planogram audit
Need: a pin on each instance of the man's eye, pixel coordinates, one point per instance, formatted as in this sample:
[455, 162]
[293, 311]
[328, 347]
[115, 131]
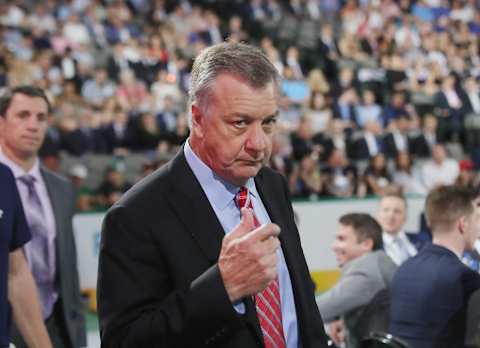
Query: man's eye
[269, 124]
[240, 124]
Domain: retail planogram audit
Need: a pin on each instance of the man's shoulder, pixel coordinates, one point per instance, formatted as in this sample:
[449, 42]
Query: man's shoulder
[270, 173]
[267, 174]
[57, 177]
[154, 184]
[6, 174]
[433, 257]
[57, 182]
[419, 239]
[7, 187]
[372, 258]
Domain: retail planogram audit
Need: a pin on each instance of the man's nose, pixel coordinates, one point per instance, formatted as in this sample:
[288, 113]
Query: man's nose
[257, 138]
[33, 123]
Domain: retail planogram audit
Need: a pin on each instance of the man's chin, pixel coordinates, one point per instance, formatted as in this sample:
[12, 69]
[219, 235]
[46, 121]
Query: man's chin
[240, 177]
[340, 262]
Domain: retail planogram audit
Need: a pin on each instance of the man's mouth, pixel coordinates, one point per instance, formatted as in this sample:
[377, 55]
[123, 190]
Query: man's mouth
[31, 139]
[253, 162]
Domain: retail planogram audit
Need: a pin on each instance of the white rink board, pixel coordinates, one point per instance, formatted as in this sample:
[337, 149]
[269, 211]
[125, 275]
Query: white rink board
[317, 223]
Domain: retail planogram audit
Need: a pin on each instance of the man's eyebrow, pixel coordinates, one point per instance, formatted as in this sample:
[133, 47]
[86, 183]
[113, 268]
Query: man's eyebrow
[275, 114]
[27, 111]
[239, 114]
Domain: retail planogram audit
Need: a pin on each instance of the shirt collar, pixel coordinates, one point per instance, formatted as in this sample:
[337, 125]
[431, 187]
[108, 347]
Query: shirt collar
[219, 191]
[19, 171]
[388, 238]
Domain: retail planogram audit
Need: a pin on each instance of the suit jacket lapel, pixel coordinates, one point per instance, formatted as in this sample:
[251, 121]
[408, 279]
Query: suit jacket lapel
[270, 196]
[193, 208]
[195, 211]
[56, 200]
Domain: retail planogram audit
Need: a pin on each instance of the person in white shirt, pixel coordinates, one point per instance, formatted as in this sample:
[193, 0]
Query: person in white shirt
[440, 170]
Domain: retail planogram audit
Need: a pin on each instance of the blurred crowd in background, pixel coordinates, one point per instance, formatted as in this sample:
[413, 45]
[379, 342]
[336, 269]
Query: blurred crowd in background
[374, 94]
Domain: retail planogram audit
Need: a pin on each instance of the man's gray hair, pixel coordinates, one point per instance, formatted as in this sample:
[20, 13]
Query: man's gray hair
[247, 62]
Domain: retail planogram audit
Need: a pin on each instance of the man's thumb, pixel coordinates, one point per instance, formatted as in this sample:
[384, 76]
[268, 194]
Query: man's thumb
[246, 223]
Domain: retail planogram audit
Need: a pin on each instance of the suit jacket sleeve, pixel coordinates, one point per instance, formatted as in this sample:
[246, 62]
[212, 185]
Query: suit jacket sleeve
[352, 291]
[137, 304]
[21, 231]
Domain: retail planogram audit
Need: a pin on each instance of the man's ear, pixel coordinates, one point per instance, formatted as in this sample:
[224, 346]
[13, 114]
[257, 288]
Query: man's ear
[2, 124]
[197, 119]
[462, 224]
[368, 244]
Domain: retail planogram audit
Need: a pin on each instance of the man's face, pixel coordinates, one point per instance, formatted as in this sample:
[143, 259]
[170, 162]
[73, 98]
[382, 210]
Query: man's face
[347, 247]
[23, 126]
[438, 153]
[392, 214]
[234, 136]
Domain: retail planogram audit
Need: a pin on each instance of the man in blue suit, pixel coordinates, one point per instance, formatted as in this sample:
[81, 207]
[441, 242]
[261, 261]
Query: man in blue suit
[430, 291]
[21, 289]
[392, 215]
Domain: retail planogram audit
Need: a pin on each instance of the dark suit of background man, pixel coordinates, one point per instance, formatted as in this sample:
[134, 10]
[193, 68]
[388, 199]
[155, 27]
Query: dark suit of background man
[19, 293]
[430, 291]
[179, 263]
[49, 205]
[472, 333]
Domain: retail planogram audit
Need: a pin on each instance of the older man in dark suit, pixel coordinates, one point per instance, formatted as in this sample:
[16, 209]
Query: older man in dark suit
[205, 251]
[49, 204]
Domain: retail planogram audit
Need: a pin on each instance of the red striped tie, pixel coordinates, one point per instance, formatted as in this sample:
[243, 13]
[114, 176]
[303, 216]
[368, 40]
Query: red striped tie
[268, 301]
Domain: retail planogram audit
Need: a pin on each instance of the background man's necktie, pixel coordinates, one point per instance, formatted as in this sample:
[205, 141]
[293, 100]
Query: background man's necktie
[267, 302]
[402, 248]
[38, 254]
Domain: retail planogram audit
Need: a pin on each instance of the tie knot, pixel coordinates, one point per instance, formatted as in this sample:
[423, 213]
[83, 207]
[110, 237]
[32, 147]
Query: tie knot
[28, 180]
[242, 198]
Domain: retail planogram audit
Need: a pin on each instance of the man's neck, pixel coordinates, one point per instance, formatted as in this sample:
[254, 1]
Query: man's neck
[451, 243]
[393, 234]
[26, 163]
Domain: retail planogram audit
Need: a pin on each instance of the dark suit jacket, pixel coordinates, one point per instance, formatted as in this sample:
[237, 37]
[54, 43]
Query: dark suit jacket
[159, 284]
[420, 147]
[360, 149]
[420, 239]
[62, 199]
[467, 106]
[390, 146]
[14, 233]
[113, 141]
[80, 142]
[472, 335]
[429, 297]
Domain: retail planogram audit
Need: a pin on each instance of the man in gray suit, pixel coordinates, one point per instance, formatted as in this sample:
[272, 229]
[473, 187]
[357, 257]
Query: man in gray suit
[48, 201]
[365, 270]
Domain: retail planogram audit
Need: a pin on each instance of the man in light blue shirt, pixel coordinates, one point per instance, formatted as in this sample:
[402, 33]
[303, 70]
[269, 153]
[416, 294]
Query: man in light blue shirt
[221, 196]
[205, 251]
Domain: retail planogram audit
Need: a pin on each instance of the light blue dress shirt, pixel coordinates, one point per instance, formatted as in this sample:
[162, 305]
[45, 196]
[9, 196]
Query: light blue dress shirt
[221, 196]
